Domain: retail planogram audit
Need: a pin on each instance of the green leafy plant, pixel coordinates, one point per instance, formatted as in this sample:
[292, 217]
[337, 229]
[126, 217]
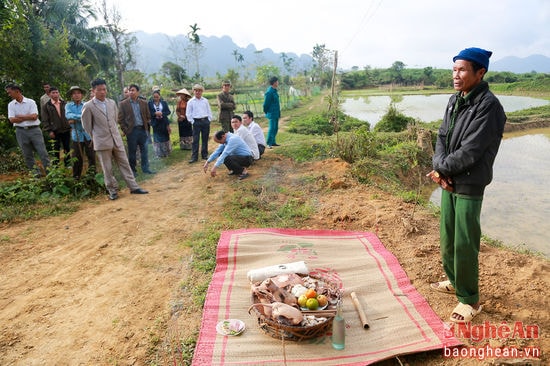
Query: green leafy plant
[29, 197]
[393, 121]
[320, 124]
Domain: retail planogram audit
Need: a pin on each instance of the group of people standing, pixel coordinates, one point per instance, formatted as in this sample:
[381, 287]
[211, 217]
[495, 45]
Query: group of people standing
[61, 122]
[91, 129]
[241, 140]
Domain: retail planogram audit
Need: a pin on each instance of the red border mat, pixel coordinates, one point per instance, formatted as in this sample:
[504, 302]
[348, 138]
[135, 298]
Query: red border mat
[401, 321]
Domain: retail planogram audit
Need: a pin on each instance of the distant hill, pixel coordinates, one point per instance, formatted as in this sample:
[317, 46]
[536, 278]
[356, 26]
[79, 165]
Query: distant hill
[538, 63]
[156, 49]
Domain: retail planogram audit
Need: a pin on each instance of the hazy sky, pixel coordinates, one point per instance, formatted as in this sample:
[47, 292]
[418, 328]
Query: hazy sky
[365, 32]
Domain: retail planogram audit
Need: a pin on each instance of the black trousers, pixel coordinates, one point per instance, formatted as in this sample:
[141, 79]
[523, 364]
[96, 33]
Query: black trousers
[261, 149]
[62, 140]
[80, 149]
[201, 130]
[237, 163]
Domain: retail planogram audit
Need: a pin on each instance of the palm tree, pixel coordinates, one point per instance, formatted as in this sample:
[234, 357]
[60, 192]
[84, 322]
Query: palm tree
[73, 16]
[239, 58]
[195, 47]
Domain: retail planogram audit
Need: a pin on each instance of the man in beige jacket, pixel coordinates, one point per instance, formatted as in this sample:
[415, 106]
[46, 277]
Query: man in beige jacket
[99, 119]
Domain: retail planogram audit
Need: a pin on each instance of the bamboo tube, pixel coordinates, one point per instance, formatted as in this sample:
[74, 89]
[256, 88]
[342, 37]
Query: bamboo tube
[360, 311]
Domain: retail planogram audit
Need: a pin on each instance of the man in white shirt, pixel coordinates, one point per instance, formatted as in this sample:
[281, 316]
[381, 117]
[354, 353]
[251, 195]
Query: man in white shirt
[244, 133]
[200, 115]
[23, 115]
[255, 130]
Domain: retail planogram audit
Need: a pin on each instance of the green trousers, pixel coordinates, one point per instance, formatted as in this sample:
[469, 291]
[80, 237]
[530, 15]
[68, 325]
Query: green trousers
[460, 235]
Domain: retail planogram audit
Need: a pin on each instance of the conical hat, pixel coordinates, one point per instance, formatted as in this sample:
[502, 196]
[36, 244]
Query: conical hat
[183, 91]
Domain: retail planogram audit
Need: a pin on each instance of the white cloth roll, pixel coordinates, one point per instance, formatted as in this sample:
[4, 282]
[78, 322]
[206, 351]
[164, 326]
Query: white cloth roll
[260, 274]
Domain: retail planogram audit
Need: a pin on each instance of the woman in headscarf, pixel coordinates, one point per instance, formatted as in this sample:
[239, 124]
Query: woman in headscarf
[161, 125]
[185, 127]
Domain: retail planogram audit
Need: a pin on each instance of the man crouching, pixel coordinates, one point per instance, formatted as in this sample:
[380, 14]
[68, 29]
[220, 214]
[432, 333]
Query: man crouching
[233, 152]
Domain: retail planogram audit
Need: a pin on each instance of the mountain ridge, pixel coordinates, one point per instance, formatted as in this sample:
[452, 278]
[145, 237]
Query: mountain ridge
[157, 48]
[518, 65]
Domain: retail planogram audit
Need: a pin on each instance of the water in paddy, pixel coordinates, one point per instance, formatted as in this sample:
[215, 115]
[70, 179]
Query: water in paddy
[516, 206]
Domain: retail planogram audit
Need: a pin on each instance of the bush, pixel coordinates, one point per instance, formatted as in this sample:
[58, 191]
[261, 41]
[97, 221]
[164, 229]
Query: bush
[320, 124]
[393, 121]
[31, 197]
[384, 158]
[356, 145]
[11, 161]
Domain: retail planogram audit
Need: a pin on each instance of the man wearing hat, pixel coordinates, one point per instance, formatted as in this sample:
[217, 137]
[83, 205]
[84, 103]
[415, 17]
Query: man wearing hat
[466, 147]
[185, 128]
[82, 142]
[226, 106]
[23, 115]
[200, 115]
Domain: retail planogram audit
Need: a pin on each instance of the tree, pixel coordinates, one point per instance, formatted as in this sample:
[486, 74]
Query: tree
[263, 73]
[174, 72]
[24, 39]
[137, 77]
[322, 62]
[239, 58]
[231, 75]
[195, 48]
[85, 43]
[123, 42]
[288, 63]
[428, 75]
[177, 47]
[396, 72]
[260, 59]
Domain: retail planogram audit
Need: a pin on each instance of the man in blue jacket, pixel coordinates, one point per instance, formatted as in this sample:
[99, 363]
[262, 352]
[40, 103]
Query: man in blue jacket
[233, 152]
[272, 110]
[466, 147]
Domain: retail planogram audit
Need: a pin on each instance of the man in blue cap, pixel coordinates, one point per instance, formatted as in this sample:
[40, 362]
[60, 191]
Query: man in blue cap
[466, 147]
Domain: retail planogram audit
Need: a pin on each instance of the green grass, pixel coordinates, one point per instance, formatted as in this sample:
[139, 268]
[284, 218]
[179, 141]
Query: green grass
[519, 248]
[526, 115]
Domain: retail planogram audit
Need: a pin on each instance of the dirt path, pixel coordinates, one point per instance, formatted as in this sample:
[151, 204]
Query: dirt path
[99, 287]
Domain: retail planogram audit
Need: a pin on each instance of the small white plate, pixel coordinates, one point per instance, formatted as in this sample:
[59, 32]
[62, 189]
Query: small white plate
[230, 327]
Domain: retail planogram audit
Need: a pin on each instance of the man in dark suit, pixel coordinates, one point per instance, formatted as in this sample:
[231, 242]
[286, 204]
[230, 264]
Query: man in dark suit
[133, 118]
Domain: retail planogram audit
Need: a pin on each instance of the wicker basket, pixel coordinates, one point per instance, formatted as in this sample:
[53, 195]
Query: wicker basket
[294, 332]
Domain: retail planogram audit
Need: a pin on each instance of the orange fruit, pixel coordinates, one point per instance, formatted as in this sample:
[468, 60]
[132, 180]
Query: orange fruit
[312, 303]
[311, 294]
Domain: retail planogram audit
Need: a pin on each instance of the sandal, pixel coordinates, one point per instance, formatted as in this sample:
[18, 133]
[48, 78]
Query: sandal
[443, 286]
[466, 311]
